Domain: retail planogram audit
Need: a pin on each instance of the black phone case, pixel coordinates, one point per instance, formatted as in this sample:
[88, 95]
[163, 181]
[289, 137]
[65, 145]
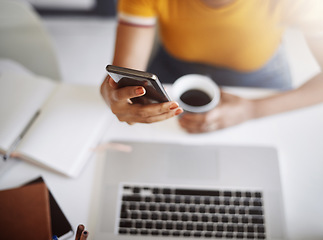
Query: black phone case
[155, 93]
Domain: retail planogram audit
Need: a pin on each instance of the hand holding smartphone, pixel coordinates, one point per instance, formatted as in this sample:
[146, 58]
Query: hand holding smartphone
[155, 92]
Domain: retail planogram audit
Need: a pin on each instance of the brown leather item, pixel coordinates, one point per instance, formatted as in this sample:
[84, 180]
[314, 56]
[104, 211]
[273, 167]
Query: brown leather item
[25, 214]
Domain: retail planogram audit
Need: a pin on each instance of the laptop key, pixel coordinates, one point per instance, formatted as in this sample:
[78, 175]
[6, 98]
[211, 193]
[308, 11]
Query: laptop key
[132, 198]
[261, 236]
[185, 217]
[230, 228]
[154, 216]
[159, 225]
[138, 224]
[144, 232]
[219, 235]
[205, 218]
[210, 227]
[125, 224]
[260, 228]
[123, 231]
[257, 220]
[134, 215]
[192, 209]
[189, 226]
[132, 206]
[220, 228]
[179, 226]
[248, 194]
[176, 233]
[165, 233]
[208, 234]
[207, 201]
[148, 199]
[196, 192]
[250, 229]
[152, 207]
[229, 235]
[174, 217]
[257, 203]
[165, 216]
[169, 225]
[182, 208]
[136, 190]
[258, 194]
[212, 210]
[162, 207]
[124, 215]
[172, 208]
[166, 191]
[144, 215]
[199, 227]
[239, 235]
[255, 211]
[195, 218]
[244, 219]
[133, 231]
[149, 224]
[250, 236]
[238, 194]
[215, 218]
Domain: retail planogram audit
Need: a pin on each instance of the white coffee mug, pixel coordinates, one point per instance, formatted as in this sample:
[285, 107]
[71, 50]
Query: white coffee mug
[196, 82]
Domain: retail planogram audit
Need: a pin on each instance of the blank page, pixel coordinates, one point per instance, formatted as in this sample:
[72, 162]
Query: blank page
[21, 95]
[67, 128]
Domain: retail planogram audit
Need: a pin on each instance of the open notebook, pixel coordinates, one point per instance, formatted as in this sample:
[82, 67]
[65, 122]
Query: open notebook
[71, 120]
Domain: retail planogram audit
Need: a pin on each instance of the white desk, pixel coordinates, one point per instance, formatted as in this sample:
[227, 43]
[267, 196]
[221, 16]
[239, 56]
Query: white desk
[298, 136]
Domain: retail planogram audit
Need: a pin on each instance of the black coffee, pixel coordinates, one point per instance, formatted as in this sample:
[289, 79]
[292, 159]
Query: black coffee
[195, 98]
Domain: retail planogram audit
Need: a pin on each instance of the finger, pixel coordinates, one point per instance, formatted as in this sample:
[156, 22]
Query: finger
[158, 108]
[84, 235]
[195, 117]
[200, 128]
[112, 83]
[127, 93]
[163, 116]
[79, 231]
[137, 115]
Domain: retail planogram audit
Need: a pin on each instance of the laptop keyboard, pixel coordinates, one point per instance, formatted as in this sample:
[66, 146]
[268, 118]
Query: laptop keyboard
[191, 213]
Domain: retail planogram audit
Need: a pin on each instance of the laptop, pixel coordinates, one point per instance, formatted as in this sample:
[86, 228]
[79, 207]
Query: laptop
[149, 190]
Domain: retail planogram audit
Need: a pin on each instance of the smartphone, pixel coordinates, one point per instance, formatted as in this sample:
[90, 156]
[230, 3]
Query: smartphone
[155, 92]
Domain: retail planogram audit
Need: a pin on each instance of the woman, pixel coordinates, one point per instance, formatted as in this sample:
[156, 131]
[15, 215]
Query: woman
[236, 42]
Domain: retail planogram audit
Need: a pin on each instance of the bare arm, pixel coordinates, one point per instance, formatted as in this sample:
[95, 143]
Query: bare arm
[132, 49]
[234, 110]
[309, 93]
[133, 46]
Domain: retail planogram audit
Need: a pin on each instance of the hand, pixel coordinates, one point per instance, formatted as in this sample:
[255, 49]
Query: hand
[232, 110]
[81, 233]
[119, 102]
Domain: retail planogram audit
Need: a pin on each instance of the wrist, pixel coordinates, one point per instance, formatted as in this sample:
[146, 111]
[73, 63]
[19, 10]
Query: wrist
[250, 109]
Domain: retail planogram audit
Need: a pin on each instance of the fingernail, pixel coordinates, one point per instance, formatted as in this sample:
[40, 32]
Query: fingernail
[178, 111]
[173, 106]
[140, 91]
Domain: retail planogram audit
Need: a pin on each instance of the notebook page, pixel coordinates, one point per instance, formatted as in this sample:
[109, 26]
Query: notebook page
[67, 128]
[21, 95]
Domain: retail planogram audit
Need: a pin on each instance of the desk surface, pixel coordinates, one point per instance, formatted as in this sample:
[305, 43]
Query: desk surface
[297, 135]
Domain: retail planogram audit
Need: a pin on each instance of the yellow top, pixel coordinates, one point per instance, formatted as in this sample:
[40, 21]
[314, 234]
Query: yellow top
[241, 36]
